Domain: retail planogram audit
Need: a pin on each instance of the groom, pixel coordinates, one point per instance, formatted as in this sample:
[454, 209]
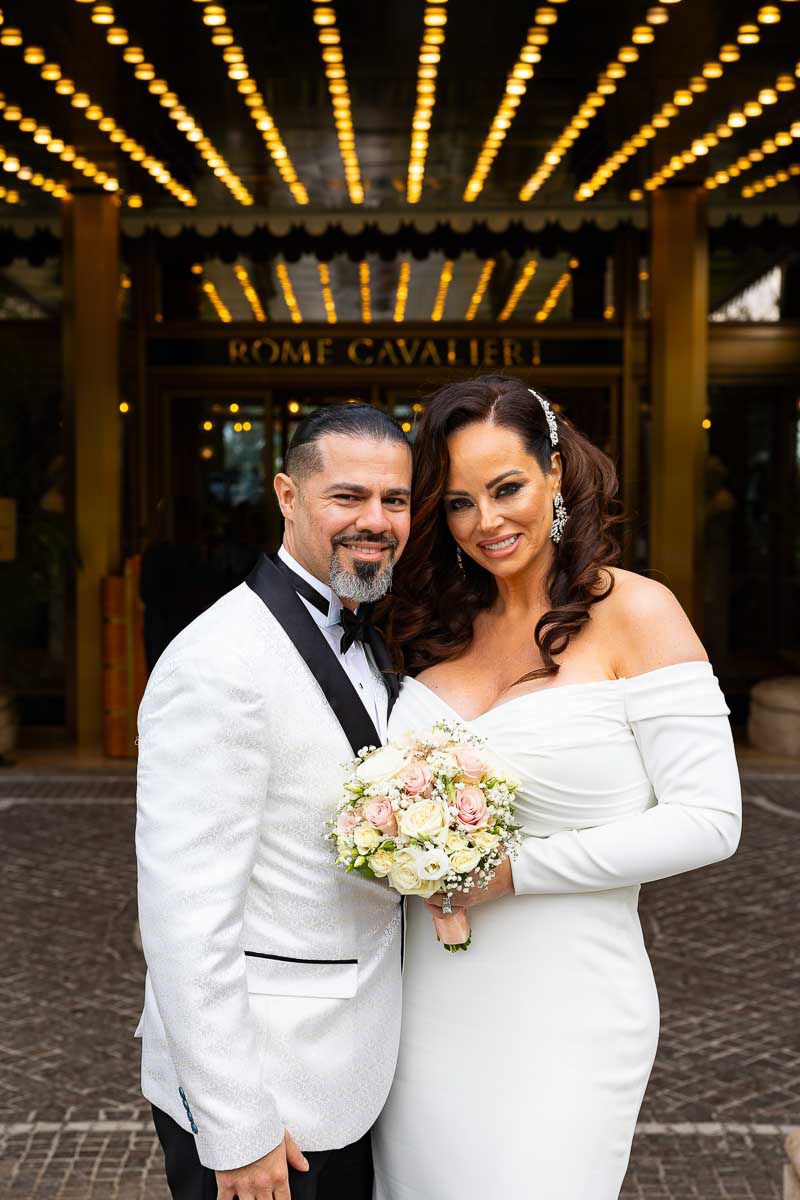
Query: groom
[272, 999]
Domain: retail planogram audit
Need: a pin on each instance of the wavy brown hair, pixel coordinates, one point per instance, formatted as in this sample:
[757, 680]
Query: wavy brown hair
[431, 612]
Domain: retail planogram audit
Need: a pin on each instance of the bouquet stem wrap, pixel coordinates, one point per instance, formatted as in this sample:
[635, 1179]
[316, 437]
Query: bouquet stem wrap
[453, 930]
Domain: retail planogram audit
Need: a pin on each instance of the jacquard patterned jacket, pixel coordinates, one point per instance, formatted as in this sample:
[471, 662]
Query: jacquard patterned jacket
[273, 990]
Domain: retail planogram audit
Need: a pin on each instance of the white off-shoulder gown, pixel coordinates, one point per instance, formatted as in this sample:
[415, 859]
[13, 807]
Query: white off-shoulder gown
[523, 1062]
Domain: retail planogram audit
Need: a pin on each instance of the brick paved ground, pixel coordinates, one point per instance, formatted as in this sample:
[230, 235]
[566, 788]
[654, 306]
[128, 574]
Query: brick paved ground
[73, 1125]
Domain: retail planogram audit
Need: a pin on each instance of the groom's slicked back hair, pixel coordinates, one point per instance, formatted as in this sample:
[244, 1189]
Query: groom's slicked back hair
[347, 420]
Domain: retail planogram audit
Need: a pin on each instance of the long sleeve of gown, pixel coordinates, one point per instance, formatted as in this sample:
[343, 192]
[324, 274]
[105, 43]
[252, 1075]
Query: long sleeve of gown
[679, 719]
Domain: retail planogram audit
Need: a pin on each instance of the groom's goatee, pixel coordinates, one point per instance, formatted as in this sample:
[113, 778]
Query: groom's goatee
[367, 583]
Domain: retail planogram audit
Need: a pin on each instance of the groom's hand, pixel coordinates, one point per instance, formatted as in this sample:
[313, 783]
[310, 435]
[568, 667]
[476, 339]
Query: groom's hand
[265, 1179]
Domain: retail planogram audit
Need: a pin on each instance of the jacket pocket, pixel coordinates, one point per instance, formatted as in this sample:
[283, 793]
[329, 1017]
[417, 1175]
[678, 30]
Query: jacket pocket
[277, 975]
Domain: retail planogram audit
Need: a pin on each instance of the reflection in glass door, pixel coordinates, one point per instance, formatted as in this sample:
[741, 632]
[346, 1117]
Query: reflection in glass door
[752, 532]
[217, 481]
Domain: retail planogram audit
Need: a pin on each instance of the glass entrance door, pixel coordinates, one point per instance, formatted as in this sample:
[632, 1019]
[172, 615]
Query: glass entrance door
[752, 544]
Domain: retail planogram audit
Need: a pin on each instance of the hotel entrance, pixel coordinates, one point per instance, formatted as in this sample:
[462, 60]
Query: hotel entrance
[214, 430]
[219, 446]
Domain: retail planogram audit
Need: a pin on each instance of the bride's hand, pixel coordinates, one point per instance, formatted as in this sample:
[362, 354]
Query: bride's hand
[501, 885]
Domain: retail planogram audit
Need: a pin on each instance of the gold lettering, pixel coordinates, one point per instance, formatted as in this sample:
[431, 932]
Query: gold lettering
[353, 351]
[452, 357]
[237, 351]
[430, 353]
[408, 353]
[295, 354]
[324, 351]
[512, 352]
[271, 345]
[474, 358]
[490, 352]
[387, 353]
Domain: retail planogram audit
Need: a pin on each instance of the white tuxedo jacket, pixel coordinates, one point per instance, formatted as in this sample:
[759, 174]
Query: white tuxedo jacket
[273, 989]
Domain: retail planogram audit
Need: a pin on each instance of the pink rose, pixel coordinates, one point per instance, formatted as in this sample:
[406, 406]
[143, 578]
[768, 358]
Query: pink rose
[416, 777]
[347, 820]
[378, 812]
[471, 762]
[471, 807]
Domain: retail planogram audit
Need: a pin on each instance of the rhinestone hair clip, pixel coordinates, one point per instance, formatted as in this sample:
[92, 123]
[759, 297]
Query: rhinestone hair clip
[549, 416]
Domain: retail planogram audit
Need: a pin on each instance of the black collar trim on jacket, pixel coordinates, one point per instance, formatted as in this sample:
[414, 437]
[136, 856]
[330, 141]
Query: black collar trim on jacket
[272, 588]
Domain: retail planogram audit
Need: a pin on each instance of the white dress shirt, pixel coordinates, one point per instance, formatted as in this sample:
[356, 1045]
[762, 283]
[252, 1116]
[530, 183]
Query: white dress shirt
[357, 661]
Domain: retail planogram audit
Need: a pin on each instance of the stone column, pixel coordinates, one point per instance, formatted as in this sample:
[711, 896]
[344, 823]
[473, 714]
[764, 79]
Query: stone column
[91, 389]
[678, 373]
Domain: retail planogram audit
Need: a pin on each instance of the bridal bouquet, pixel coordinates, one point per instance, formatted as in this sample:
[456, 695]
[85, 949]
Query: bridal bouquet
[429, 813]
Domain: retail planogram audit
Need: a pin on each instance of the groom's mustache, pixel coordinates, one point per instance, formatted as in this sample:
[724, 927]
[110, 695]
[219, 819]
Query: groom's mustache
[376, 539]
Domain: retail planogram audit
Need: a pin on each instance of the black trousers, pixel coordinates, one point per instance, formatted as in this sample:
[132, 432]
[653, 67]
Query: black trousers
[344, 1174]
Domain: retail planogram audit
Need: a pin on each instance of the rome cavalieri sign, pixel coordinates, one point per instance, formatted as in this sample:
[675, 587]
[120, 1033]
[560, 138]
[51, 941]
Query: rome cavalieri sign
[376, 351]
[384, 352]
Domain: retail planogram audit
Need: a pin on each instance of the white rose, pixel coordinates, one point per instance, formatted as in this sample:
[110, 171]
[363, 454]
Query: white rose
[404, 878]
[485, 841]
[465, 861]
[456, 841]
[366, 839]
[426, 888]
[431, 864]
[381, 863]
[380, 766]
[423, 818]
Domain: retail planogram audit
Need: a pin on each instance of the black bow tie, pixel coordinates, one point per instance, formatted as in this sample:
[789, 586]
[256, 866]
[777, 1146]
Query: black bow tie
[357, 627]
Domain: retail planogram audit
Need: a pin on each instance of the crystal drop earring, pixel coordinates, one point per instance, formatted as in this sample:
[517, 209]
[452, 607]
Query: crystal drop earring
[560, 516]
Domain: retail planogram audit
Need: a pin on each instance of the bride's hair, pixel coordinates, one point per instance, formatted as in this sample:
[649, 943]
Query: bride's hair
[430, 614]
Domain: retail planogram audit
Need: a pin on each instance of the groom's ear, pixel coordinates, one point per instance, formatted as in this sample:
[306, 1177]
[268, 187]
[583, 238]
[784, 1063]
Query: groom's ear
[286, 491]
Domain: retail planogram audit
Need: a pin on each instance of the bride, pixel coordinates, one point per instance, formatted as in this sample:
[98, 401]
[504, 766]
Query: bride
[524, 1061]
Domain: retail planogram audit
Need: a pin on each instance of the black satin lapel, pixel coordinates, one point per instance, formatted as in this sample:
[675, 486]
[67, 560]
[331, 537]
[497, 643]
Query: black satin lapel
[289, 611]
[384, 664]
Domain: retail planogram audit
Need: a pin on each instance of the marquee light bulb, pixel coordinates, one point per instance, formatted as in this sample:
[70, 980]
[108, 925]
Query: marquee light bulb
[214, 14]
